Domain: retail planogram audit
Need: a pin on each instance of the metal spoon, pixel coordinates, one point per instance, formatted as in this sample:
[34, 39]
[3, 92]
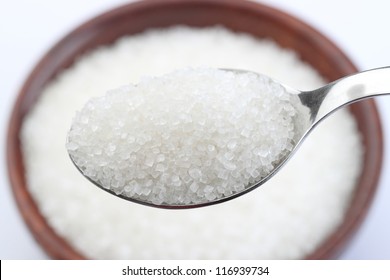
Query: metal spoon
[312, 107]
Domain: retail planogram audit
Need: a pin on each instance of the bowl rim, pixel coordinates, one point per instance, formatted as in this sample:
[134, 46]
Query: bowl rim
[56, 246]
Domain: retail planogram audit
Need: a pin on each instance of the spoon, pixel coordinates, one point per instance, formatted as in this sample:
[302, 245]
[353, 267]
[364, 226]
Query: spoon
[312, 107]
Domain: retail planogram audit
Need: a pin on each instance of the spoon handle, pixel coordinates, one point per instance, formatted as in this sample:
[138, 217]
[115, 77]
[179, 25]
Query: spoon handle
[331, 97]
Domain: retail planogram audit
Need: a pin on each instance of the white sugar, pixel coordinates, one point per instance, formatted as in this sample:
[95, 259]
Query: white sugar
[287, 218]
[187, 99]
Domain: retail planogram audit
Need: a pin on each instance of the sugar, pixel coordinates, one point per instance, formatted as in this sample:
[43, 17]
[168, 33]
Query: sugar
[149, 161]
[160, 158]
[195, 173]
[282, 220]
[160, 167]
[172, 96]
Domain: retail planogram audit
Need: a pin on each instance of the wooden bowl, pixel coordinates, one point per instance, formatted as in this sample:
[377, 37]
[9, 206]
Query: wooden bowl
[256, 19]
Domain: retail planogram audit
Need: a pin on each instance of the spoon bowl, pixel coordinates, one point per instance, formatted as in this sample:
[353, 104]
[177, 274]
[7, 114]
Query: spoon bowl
[311, 108]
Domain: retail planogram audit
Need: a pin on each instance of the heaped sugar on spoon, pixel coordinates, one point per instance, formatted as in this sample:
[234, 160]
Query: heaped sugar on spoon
[197, 137]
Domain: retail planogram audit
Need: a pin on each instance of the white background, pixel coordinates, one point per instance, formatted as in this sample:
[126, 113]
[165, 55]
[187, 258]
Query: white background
[28, 28]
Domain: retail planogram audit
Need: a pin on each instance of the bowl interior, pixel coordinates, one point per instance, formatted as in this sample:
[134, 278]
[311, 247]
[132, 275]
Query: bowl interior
[256, 19]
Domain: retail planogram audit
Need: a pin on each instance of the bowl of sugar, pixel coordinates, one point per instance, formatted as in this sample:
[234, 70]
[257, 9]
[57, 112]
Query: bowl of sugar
[309, 210]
